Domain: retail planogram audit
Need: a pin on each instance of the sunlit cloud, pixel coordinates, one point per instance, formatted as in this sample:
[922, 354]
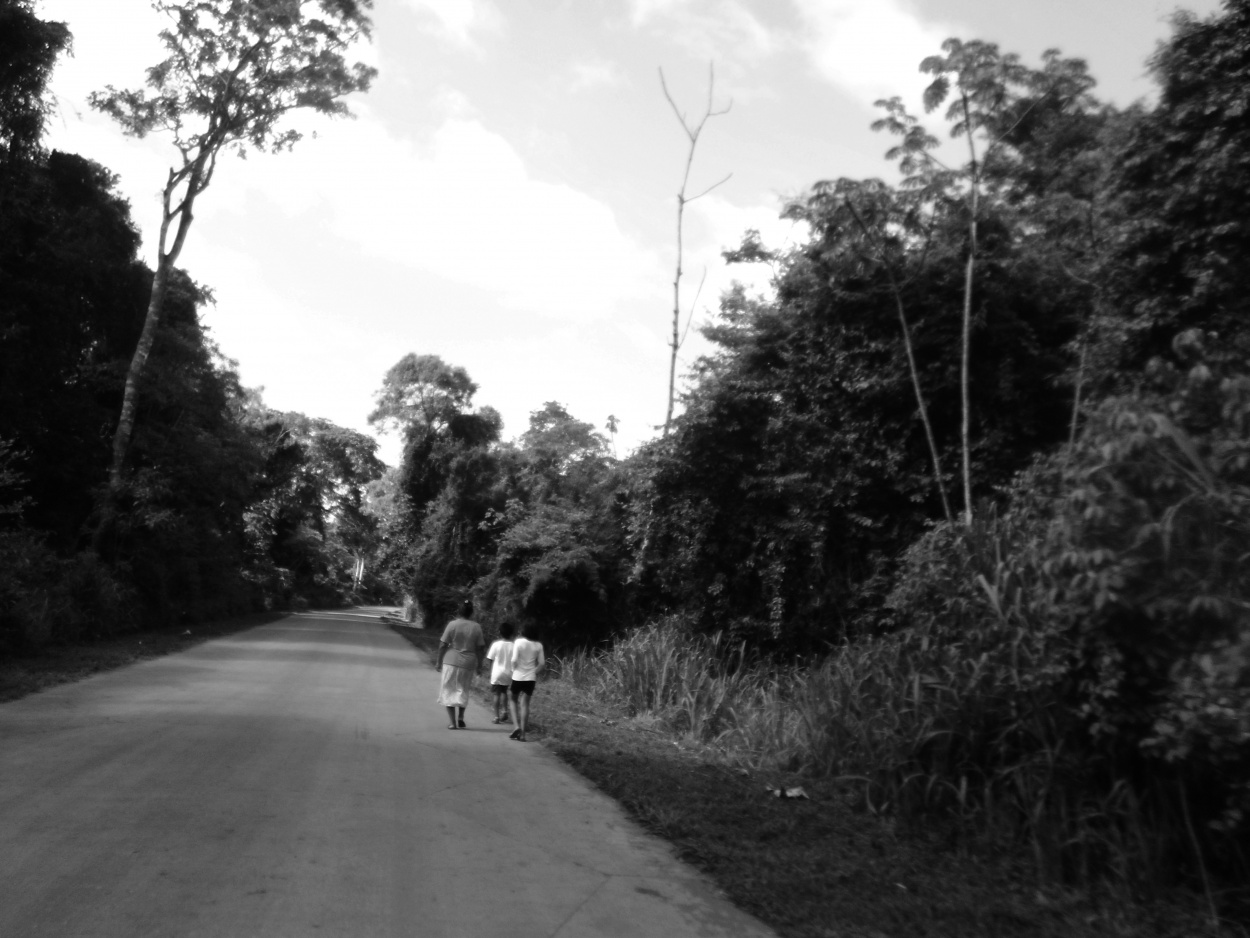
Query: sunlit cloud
[720, 30]
[721, 226]
[595, 74]
[642, 11]
[870, 49]
[459, 21]
[463, 206]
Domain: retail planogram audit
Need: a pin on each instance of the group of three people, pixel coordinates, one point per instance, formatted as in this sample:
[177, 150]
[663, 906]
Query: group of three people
[515, 666]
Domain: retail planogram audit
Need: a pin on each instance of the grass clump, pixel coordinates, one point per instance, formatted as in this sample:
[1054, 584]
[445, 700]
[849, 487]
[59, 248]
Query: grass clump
[825, 865]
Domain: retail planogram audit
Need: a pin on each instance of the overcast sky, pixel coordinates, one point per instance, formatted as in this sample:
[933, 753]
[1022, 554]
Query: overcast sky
[505, 197]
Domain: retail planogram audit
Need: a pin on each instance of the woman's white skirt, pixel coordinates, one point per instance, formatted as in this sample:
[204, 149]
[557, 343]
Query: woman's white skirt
[454, 689]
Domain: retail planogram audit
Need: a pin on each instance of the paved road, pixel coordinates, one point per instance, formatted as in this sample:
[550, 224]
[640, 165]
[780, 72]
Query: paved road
[297, 779]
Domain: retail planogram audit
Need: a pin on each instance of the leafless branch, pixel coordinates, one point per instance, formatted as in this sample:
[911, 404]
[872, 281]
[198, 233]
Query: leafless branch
[692, 132]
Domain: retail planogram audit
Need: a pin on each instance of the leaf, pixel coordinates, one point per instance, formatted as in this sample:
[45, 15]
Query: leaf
[936, 93]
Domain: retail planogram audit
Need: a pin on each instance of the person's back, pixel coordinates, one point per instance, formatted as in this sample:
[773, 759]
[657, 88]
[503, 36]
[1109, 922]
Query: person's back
[459, 656]
[464, 636]
[527, 661]
[500, 658]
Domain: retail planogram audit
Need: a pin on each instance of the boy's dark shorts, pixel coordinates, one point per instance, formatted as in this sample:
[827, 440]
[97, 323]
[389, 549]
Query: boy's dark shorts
[499, 688]
[523, 687]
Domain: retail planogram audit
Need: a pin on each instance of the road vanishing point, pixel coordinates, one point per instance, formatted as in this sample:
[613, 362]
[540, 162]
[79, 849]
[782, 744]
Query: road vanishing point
[297, 779]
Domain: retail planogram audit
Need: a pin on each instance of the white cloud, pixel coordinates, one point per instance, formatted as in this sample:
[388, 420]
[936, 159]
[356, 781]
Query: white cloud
[643, 10]
[722, 30]
[870, 49]
[464, 207]
[459, 21]
[596, 74]
[721, 226]
[113, 44]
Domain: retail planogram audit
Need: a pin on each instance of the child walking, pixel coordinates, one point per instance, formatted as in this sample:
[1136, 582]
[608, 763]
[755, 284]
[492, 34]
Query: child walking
[500, 657]
[528, 661]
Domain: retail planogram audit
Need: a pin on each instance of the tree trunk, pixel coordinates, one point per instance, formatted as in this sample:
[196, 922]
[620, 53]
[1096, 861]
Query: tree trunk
[126, 422]
[676, 344]
[966, 340]
[102, 535]
[692, 134]
[165, 259]
[911, 365]
[965, 348]
[924, 411]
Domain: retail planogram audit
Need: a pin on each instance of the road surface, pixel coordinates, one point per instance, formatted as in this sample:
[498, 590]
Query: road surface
[298, 779]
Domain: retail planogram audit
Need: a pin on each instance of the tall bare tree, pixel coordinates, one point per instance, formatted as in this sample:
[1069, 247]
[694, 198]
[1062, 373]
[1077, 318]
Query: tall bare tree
[692, 130]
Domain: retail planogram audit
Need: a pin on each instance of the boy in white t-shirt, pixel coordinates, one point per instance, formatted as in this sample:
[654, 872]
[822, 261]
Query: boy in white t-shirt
[500, 657]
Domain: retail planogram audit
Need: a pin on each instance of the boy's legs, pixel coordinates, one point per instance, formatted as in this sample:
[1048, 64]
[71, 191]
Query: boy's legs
[523, 712]
[516, 711]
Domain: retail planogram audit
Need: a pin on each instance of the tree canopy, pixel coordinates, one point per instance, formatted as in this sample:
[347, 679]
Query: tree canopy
[235, 69]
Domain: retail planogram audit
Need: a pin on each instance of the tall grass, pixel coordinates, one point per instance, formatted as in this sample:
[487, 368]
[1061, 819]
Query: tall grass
[962, 730]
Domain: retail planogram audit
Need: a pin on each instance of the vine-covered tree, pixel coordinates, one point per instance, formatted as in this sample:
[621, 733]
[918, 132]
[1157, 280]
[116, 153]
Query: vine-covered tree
[29, 48]
[1177, 259]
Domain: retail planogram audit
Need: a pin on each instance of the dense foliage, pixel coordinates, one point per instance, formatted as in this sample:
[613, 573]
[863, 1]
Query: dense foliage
[226, 506]
[977, 462]
[982, 451]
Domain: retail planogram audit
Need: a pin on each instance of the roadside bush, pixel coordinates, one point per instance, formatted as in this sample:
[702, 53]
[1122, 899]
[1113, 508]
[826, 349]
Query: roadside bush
[45, 599]
[1068, 673]
[552, 565]
[1108, 606]
[1157, 533]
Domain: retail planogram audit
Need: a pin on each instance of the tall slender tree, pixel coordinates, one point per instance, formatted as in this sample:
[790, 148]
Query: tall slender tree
[235, 69]
[993, 101]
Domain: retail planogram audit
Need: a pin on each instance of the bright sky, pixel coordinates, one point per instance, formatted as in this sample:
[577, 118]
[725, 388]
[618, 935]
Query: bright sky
[505, 198]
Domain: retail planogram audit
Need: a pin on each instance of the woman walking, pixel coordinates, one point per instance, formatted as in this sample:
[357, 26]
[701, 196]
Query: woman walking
[459, 658]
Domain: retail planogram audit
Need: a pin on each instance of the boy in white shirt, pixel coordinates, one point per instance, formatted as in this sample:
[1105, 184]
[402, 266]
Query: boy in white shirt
[528, 661]
[500, 657]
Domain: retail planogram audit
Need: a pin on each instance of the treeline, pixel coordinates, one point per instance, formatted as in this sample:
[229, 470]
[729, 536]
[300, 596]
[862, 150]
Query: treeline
[983, 461]
[968, 495]
[227, 506]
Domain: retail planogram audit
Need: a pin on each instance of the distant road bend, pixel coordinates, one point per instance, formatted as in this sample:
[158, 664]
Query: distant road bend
[297, 779]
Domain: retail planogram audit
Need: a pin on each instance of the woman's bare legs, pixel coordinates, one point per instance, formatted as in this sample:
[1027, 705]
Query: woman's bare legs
[451, 718]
